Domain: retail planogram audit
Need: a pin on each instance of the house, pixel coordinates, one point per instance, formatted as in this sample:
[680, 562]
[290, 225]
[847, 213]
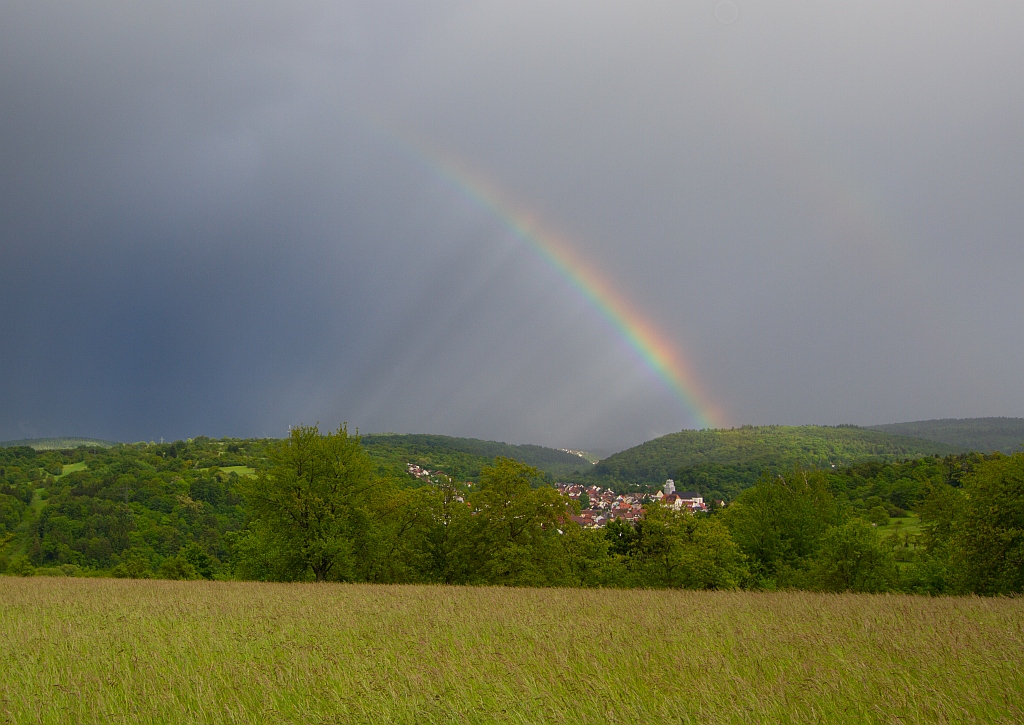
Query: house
[672, 501]
[691, 500]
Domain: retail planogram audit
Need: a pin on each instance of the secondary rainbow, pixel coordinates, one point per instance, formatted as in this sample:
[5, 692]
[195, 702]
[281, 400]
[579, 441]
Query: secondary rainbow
[643, 337]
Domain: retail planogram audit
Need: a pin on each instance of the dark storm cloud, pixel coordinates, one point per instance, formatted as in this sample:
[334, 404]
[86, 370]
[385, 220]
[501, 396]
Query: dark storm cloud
[206, 227]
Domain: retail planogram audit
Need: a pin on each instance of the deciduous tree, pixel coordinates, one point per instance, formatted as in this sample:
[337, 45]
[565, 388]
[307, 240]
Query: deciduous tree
[307, 510]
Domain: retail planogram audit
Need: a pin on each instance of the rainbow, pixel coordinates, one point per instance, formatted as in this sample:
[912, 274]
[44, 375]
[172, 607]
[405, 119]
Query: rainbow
[646, 340]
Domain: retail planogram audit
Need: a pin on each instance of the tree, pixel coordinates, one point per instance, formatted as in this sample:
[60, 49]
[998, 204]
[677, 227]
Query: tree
[134, 565]
[987, 535]
[589, 558]
[877, 515]
[392, 545]
[515, 536]
[307, 510]
[852, 558]
[448, 541]
[678, 549]
[779, 523]
[197, 557]
[178, 567]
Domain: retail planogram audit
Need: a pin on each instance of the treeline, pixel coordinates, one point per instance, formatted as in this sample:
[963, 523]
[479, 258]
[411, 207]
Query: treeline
[317, 507]
[803, 531]
[972, 434]
[317, 513]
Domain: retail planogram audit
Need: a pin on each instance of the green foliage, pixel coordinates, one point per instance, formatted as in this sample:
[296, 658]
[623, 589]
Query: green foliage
[20, 566]
[12, 509]
[877, 515]
[319, 507]
[178, 567]
[318, 513]
[852, 558]
[514, 537]
[987, 532]
[779, 524]
[675, 549]
[134, 565]
[107, 504]
[307, 509]
[200, 561]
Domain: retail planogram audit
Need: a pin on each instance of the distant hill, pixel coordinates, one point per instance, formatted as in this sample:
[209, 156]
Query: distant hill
[975, 434]
[725, 462]
[464, 457]
[58, 444]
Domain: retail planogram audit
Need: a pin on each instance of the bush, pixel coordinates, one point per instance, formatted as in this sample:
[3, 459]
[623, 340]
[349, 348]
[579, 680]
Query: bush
[877, 515]
[20, 566]
[195, 555]
[178, 567]
[134, 565]
[895, 512]
[987, 542]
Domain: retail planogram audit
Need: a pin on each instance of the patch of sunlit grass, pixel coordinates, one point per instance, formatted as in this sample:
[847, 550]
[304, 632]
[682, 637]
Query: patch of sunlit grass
[72, 467]
[240, 470]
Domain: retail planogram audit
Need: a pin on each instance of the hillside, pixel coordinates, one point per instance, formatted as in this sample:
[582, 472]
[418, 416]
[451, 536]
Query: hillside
[975, 434]
[464, 457]
[723, 462]
[58, 444]
[84, 508]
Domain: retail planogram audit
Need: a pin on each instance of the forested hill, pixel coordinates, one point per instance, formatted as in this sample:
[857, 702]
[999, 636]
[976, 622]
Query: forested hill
[721, 463]
[58, 444]
[464, 457]
[975, 434]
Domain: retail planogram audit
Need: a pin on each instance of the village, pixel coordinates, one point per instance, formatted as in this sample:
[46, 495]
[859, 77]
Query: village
[600, 506]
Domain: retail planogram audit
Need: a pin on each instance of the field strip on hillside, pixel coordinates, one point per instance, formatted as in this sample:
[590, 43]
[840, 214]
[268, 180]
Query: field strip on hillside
[240, 470]
[72, 467]
[105, 650]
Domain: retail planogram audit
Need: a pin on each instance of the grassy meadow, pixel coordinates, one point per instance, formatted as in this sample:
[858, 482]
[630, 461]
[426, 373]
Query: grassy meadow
[109, 651]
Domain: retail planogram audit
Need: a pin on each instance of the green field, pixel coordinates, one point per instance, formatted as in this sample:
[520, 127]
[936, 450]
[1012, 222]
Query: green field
[72, 467]
[109, 651]
[903, 525]
[240, 470]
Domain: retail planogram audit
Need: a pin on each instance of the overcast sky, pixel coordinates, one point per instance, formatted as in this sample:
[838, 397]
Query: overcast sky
[212, 220]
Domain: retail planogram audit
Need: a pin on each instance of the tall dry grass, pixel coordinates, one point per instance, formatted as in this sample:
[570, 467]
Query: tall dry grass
[109, 651]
